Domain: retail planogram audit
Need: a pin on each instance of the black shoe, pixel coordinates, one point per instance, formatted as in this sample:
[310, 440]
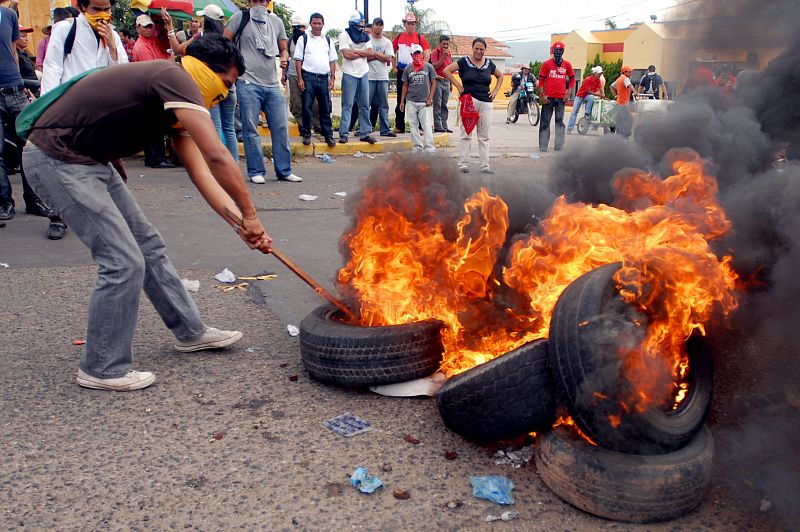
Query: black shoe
[389, 134]
[2, 224]
[56, 230]
[38, 208]
[7, 211]
[330, 142]
[162, 164]
[449, 130]
[440, 130]
[306, 140]
[368, 138]
[342, 140]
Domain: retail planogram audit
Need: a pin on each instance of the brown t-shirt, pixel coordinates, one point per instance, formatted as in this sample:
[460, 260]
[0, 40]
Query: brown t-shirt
[116, 112]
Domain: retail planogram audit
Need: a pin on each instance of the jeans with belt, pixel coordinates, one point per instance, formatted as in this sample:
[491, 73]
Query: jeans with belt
[253, 99]
[316, 90]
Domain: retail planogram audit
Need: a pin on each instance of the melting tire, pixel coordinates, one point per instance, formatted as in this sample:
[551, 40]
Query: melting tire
[586, 329]
[334, 352]
[507, 397]
[624, 487]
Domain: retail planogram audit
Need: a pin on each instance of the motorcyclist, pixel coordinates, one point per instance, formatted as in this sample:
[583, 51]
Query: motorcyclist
[523, 76]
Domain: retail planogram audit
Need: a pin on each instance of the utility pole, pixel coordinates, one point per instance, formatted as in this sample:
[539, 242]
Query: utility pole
[366, 11]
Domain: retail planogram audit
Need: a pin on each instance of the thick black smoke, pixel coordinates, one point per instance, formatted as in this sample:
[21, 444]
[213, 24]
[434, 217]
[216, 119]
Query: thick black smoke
[752, 141]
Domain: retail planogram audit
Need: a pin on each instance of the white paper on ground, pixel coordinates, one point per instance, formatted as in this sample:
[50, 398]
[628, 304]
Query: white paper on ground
[225, 276]
[307, 197]
[292, 330]
[191, 285]
[342, 194]
[425, 386]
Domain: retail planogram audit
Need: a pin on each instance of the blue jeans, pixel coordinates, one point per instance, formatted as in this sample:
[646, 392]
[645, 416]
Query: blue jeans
[316, 89]
[576, 105]
[12, 105]
[379, 104]
[253, 99]
[352, 88]
[130, 256]
[223, 115]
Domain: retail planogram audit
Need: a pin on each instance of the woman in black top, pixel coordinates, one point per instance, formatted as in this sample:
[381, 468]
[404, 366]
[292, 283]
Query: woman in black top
[476, 74]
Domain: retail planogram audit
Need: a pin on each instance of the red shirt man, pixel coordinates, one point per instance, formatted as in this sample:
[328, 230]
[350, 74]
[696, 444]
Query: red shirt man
[590, 85]
[148, 47]
[554, 79]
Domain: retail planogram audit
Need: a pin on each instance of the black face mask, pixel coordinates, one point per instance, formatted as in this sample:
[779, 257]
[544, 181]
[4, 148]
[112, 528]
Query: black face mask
[558, 56]
[297, 32]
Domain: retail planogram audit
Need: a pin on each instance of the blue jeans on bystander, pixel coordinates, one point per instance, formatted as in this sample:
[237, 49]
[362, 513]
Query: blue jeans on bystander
[352, 88]
[253, 99]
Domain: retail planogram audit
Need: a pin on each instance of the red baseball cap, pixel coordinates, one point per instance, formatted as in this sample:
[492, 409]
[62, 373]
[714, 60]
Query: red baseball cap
[23, 29]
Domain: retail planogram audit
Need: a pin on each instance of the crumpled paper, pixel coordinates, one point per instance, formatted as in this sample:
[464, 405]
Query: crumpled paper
[191, 285]
[366, 484]
[225, 276]
[494, 488]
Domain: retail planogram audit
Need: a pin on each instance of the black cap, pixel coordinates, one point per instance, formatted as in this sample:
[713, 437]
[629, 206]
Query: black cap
[378, 21]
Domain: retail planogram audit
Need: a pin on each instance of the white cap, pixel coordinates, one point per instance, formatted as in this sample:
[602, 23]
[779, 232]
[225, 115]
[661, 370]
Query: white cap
[144, 20]
[416, 48]
[356, 17]
[212, 11]
[597, 70]
[297, 21]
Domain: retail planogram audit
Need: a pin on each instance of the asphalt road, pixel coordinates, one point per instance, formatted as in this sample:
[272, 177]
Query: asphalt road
[80, 459]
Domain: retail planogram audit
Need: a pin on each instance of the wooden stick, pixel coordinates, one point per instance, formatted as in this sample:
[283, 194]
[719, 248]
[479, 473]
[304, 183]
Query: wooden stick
[318, 288]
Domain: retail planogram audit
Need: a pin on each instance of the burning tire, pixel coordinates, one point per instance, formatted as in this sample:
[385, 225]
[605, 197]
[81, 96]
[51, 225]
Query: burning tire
[501, 399]
[625, 487]
[334, 352]
[584, 341]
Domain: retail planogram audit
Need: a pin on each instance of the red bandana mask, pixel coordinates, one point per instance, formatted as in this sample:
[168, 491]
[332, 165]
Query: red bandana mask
[469, 115]
[418, 61]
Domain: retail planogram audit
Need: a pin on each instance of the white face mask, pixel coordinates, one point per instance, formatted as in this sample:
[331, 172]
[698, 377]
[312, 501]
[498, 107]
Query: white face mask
[259, 12]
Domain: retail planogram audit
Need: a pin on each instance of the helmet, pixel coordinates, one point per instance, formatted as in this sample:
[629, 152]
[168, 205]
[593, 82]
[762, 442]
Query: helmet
[558, 45]
[410, 17]
[626, 68]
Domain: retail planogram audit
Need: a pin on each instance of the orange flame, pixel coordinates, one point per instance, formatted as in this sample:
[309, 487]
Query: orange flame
[409, 263]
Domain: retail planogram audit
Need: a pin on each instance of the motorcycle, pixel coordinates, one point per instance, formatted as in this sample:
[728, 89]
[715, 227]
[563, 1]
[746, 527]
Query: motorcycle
[527, 104]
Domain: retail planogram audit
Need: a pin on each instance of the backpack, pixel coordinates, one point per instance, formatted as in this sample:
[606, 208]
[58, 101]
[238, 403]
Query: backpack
[305, 43]
[242, 23]
[70, 40]
[26, 120]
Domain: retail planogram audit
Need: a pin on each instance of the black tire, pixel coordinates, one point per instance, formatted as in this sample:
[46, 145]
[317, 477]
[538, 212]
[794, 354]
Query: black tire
[533, 113]
[334, 352]
[588, 324]
[583, 126]
[625, 487]
[507, 397]
[515, 114]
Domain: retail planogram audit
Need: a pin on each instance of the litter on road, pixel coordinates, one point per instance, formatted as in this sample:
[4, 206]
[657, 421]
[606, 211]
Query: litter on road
[3, 265]
[191, 285]
[307, 197]
[258, 277]
[348, 425]
[505, 516]
[79, 341]
[425, 386]
[293, 330]
[515, 459]
[227, 288]
[225, 276]
[341, 194]
[364, 482]
[494, 488]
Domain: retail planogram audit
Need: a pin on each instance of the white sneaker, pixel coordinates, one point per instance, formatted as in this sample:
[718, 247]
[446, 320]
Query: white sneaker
[133, 380]
[258, 179]
[464, 169]
[211, 339]
[291, 177]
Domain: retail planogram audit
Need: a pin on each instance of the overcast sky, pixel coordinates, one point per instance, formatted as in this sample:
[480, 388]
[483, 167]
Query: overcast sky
[506, 20]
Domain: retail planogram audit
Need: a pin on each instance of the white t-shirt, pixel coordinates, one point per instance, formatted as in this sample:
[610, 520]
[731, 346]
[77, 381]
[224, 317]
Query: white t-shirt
[354, 67]
[318, 54]
[378, 70]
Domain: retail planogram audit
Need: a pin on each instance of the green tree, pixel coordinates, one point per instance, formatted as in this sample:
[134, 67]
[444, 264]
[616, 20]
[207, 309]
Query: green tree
[427, 25]
[333, 33]
[611, 71]
[122, 16]
[536, 66]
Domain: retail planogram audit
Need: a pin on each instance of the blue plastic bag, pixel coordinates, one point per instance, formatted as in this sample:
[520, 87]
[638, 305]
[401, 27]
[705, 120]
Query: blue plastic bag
[365, 483]
[493, 487]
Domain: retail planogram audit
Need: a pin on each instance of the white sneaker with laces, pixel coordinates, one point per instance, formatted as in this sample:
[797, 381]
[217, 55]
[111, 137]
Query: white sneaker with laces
[292, 178]
[258, 179]
[211, 339]
[133, 380]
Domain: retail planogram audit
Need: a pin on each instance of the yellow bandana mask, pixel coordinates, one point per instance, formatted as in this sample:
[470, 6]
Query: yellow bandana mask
[211, 85]
[94, 19]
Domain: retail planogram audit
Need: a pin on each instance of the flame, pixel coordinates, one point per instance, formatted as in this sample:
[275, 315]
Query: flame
[567, 421]
[414, 256]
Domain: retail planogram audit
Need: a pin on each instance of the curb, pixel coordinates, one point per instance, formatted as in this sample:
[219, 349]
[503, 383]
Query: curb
[389, 145]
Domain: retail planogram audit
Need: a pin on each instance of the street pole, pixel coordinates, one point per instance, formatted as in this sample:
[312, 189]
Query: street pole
[366, 11]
